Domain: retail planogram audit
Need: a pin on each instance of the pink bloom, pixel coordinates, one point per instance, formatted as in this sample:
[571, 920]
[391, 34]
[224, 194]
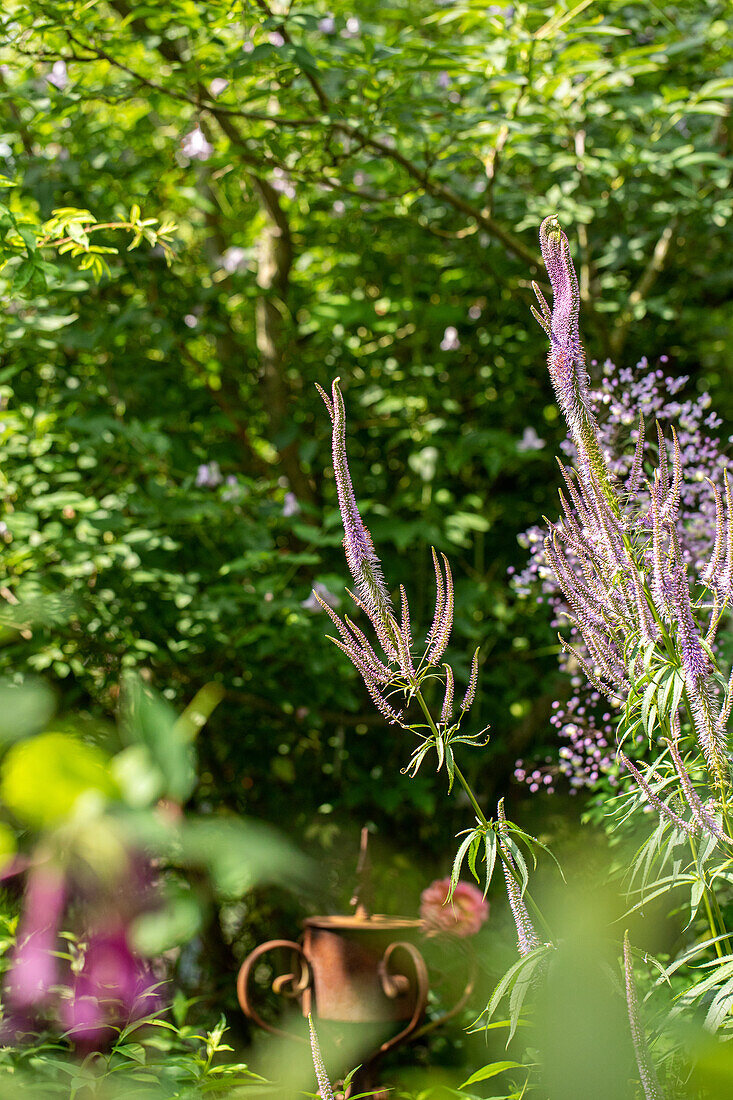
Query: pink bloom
[34, 967]
[113, 987]
[463, 915]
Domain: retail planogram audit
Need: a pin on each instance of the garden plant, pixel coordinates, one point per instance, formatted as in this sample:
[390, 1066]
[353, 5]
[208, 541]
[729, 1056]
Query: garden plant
[215, 219]
[643, 614]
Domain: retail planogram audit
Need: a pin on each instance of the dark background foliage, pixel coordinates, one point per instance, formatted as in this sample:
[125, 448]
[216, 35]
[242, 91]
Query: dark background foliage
[364, 186]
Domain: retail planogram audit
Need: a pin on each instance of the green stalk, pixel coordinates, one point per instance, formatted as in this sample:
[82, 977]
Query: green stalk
[484, 821]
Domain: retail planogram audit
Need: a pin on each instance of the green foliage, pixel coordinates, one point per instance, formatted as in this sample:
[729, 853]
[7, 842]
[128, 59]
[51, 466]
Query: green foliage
[364, 192]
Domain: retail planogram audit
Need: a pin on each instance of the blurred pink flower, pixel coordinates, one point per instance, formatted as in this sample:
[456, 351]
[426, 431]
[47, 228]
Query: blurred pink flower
[113, 987]
[34, 966]
[463, 915]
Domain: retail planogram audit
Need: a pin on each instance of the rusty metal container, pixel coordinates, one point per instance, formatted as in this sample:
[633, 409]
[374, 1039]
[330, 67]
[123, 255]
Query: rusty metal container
[353, 969]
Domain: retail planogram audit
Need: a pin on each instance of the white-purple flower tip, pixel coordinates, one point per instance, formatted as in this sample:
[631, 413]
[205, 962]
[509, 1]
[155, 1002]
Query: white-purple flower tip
[324, 1085]
[566, 357]
[196, 146]
[366, 569]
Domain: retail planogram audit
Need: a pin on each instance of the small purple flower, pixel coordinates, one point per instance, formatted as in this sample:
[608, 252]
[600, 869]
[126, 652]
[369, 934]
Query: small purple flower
[530, 441]
[353, 27]
[328, 597]
[218, 85]
[196, 146]
[291, 506]
[58, 75]
[275, 38]
[232, 490]
[450, 341]
[208, 475]
[443, 79]
[324, 1085]
[327, 25]
[282, 183]
[234, 259]
[190, 320]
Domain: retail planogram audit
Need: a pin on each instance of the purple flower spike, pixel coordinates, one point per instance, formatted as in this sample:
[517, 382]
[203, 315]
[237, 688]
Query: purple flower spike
[440, 634]
[324, 1085]
[566, 358]
[700, 815]
[527, 939]
[647, 1073]
[662, 807]
[470, 695]
[361, 558]
[447, 712]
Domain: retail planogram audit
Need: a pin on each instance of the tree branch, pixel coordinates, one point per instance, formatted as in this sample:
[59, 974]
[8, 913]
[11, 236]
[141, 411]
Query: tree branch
[649, 276]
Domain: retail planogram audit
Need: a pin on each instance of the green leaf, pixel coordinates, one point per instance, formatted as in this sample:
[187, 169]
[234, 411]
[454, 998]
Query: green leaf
[489, 1071]
[460, 856]
[44, 778]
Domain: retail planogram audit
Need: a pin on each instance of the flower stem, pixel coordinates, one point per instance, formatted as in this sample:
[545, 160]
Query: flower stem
[484, 821]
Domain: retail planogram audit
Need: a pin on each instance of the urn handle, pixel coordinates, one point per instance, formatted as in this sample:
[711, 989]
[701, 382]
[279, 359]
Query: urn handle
[396, 984]
[286, 985]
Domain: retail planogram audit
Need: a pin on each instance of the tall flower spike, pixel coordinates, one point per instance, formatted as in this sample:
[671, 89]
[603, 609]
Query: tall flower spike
[671, 505]
[439, 641]
[361, 558]
[695, 662]
[447, 712]
[394, 717]
[527, 938]
[658, 587]
[723, 582]
[663, 461]
[566, 358]
[647, 1073]
[662, 808]
[439, 598]
[406, 630]
[324, 1085]
[711, 569]
[637, 465]
[700, 814]
[721, 724]
[470, 695]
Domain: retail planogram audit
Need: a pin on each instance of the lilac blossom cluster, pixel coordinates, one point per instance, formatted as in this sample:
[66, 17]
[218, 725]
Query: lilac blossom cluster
[615, 567]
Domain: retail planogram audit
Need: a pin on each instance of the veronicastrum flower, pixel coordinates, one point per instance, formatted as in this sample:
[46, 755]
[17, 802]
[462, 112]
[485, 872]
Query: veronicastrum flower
[398, 669]
[647, 1073]
[324, 1085]
[366, 569]
[566, 358]
[527, 938]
